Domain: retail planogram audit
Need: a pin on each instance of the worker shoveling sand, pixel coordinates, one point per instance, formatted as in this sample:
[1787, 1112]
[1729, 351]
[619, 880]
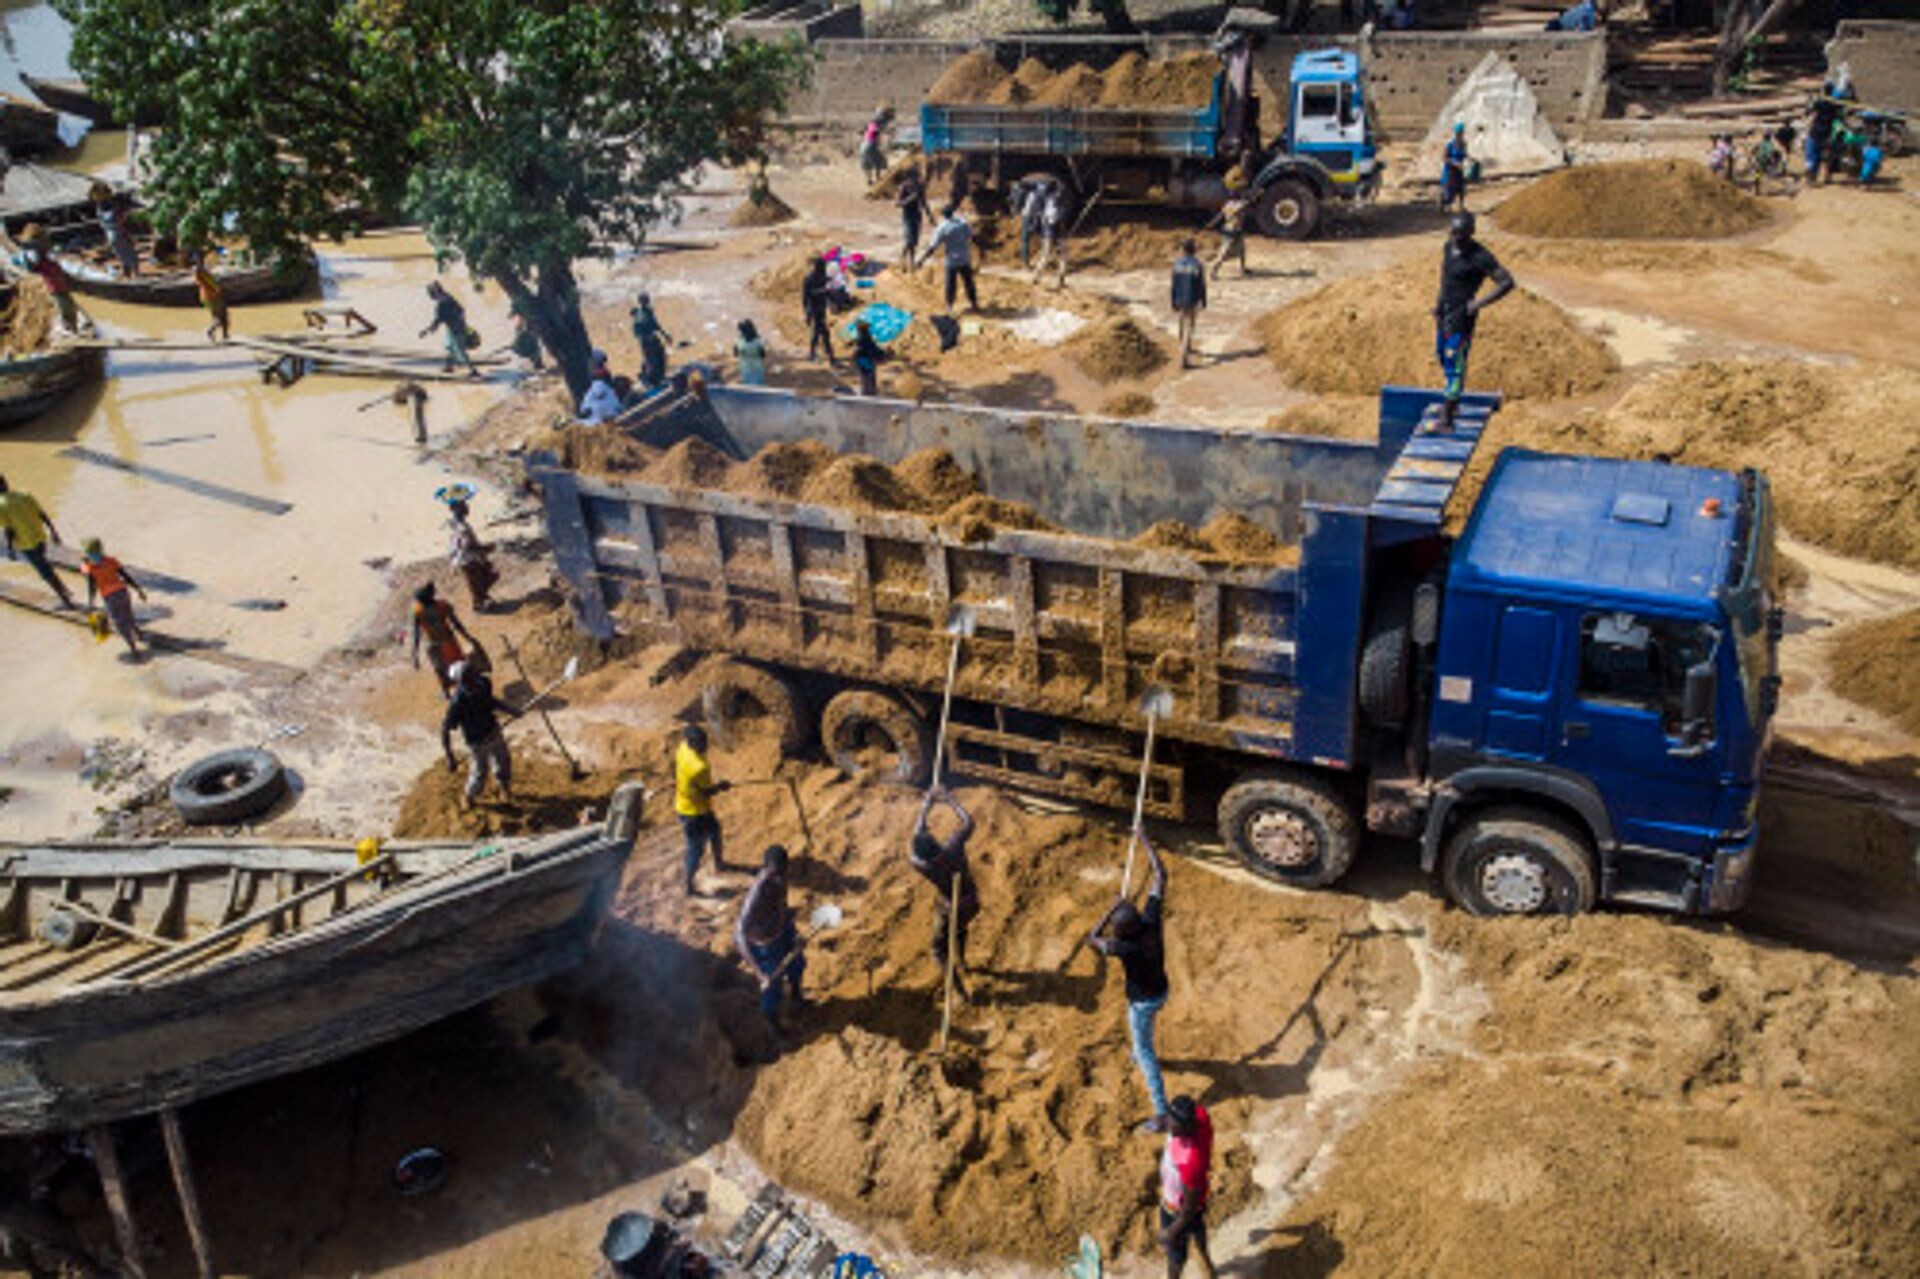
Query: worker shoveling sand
[1631, 200]
[1376, 330]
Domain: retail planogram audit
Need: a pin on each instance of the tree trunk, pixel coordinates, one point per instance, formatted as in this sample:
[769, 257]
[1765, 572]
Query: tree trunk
[1745, 23]
[552, 310]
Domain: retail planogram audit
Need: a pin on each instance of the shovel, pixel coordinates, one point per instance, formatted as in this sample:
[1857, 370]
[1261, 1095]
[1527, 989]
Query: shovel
[823, 917]
[573, 766]
[1155, 704]
[960, 624]
[566, 677]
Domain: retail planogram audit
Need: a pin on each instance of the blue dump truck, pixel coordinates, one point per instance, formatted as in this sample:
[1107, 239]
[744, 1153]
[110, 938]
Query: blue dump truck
[1566, 702]
[1181, 157]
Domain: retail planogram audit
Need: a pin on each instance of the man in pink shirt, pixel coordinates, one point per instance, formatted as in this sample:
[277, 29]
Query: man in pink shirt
[1183, 1184]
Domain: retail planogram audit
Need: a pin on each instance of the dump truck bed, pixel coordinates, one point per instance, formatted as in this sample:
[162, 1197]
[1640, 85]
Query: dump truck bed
[977, 129]
[1074, 624]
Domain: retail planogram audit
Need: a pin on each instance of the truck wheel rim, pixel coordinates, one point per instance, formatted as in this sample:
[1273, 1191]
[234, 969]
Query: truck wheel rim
[1282, 838]
[1513, 884]
[1286, 211]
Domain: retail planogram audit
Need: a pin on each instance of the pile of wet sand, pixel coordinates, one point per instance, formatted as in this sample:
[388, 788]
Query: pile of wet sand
[27, 323]
[1375, 330]
[1227, 536]
[1132, 81]
[1631, 200]
[1841, 445]
[1128, 404]
[1877, 664]
[1115, 349]
[768, 210]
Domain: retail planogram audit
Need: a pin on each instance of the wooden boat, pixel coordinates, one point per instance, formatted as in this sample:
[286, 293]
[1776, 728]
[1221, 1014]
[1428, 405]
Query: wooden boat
[27, 126]
[138, 978]
[72, 96]
[271, 282]
[33, 384]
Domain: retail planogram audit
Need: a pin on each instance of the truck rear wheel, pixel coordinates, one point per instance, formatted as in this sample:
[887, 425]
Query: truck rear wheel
[1289, 209]
[1519, 861]
[742, 699]
[870, 734]
[1290, 827]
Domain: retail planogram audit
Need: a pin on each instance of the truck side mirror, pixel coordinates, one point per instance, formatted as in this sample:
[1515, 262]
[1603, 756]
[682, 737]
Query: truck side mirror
[1426, 614]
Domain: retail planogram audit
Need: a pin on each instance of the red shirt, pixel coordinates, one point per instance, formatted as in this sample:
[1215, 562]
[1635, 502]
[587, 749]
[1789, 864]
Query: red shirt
[1184, 1164]
[105, 575]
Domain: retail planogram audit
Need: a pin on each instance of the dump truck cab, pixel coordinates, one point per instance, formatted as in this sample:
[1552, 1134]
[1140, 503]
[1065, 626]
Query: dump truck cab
[1603, 687]
[1327, 151]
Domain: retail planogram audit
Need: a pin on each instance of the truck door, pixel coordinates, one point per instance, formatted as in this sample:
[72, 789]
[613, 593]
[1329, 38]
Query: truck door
[1317, 109]
[1520, 695]
[1622, 727]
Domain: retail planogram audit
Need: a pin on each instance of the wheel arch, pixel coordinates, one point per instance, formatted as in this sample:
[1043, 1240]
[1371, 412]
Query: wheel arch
[1293, 166]
[1473, 790]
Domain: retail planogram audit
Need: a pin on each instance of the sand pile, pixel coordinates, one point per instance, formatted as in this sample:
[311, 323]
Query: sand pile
[1129, 246]
[1115, 349]
[1695, 1103]
[28, 320]
[1128, 404]
[1631, 200]
[1133, 81]
[889, 184]
[1228, 536]
[1877, 664]
[1841, 445]
[768, 210]
[545, 798]
[596, 450]
[1334, 417]
[1364, 333]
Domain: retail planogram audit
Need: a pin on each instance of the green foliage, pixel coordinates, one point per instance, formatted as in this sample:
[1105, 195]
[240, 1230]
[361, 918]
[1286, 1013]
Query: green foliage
[1112, 12]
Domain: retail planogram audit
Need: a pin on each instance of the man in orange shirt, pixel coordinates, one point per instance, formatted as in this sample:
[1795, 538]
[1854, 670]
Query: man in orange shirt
[214, 298]
[435, 619]
[109, 579]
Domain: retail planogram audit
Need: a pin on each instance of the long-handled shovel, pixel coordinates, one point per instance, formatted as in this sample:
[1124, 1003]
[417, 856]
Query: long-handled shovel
[824, 916]
[960, 624]
[566, 677]
[573, 765]
[1156, 704]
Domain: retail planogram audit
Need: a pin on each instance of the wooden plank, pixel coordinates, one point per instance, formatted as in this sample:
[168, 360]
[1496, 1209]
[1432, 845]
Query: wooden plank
[182, 1166]
[319, 355]
[106, 1157]
[187, 483]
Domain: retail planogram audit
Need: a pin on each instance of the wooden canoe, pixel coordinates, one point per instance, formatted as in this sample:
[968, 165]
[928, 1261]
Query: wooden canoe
[32, 384]
[134, 978]
[27, 126]
[272, 282]
[72, 96]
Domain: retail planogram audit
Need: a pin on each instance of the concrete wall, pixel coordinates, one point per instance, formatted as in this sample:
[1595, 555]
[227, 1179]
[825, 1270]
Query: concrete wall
[1413, 73]
[1885, 58]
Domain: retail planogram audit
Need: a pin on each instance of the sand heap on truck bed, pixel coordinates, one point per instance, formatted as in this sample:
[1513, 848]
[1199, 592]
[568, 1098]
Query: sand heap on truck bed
[1355, 336]
[1631, 200]
[1133, 81]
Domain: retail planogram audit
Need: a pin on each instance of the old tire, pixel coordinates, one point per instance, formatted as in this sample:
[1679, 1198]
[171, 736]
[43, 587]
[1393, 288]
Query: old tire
[1518, 861]
[228, 788]
[1386, 661]
[1289, 209]
[1290, 827]
[870, 734]
[740, 699]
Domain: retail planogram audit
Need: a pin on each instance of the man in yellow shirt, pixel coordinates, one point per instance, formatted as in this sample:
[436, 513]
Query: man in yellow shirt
[25, 526]
[693, 792]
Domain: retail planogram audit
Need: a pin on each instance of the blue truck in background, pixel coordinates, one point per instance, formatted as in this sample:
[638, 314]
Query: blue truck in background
[1561, 696]
[1182, 157]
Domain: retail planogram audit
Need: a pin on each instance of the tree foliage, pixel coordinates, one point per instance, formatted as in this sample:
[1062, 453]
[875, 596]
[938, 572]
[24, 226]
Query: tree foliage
[524, 135]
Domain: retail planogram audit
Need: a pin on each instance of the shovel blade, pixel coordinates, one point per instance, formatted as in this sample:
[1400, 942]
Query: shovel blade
[572, 669]
[1157, 702]
[827, 916]
[962, 620]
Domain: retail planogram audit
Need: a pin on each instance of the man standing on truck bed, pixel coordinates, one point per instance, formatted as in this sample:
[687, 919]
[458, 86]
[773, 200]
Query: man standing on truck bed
[1133, 936]
[693, 792]
[956, 237]
[1465, 264]
[1189, 295]
[940, 862]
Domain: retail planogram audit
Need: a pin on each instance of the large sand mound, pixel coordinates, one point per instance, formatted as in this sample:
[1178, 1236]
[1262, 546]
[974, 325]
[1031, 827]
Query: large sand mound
[1358, 335]
[1877, 664]
[1841, 445]
[1133, 80]
[1631, 200]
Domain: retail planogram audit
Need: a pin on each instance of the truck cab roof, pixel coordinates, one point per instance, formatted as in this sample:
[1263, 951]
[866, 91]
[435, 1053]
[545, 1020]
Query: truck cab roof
[1326, 65]
[1586, 527]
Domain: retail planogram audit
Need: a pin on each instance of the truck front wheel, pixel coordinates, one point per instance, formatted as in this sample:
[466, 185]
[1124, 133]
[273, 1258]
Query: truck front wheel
[1289, 209]
[1518, 861]
[1290, 827]
[869, 734]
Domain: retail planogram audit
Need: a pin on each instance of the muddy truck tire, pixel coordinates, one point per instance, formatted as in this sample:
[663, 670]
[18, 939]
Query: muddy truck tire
[228, 788]
[1290, 827]
[738, 698]
[871, 734]
[1289, 209]
[1519, 861]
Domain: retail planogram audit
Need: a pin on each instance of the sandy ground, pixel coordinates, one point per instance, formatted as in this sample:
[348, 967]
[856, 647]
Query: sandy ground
[1398, 1091]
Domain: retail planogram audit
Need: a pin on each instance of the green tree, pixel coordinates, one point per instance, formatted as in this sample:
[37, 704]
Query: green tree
[524, 135]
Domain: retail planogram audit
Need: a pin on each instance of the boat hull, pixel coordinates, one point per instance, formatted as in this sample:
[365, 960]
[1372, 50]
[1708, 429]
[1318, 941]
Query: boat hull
[115, 1049]
[33, 385]
[242, 285]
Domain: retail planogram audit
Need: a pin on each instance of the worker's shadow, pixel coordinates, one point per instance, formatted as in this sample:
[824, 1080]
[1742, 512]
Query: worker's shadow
[1013, 988]
[815, 876]
[1252, 1074]
[1308, 1251]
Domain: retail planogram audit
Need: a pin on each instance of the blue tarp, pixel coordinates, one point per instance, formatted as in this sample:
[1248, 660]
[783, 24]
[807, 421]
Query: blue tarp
[885, 319]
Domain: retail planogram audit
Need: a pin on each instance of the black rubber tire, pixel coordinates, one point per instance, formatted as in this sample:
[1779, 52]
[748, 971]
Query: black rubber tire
[859, 719]
[738, 698]
[228, 788]
[1289, 209]
[1386, 660]
[64, 930]
[1312, 806]
[1557, 851]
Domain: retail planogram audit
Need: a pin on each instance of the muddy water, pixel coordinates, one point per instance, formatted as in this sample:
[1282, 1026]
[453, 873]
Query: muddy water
[358, 488]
